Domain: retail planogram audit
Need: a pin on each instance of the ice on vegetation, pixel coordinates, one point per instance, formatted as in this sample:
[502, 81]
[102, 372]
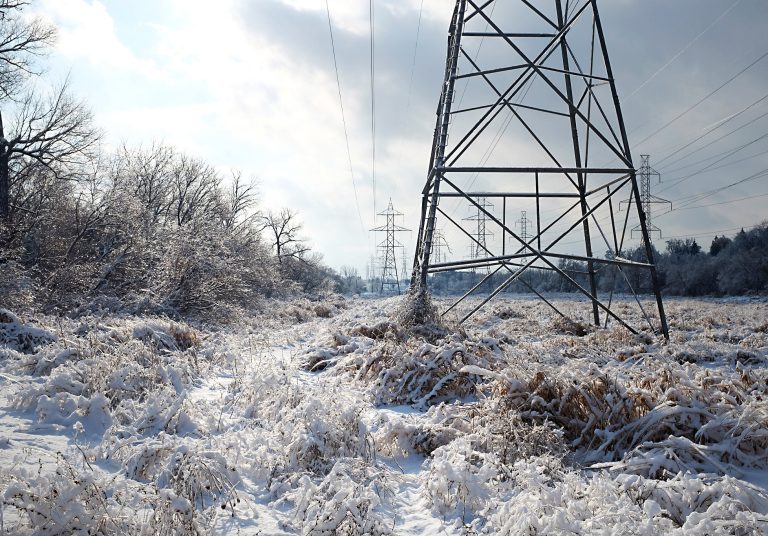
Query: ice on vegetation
[345, 417]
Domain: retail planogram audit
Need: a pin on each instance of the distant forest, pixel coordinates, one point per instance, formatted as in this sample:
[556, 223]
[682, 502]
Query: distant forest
[729, 267]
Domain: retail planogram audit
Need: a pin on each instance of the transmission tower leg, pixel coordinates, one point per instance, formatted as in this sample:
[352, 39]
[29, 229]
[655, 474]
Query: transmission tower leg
[582, 179]
[635, 190]
[441, 137]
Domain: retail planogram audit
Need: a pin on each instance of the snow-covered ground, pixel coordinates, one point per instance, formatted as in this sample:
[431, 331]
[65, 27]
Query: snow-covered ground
[331, 419]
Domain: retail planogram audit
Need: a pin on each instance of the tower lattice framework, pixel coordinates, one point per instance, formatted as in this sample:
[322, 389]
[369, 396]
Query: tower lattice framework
[529, 113]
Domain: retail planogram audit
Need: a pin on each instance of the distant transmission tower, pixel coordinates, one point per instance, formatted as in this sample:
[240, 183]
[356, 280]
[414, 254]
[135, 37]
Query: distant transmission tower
[387, 249]
[553, 95]
[646, 198]
[404, 265]
[440, 246]
[481, 233]
[523, 223]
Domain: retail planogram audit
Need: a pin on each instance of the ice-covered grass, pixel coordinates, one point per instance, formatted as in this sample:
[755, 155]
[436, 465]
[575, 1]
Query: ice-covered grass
[336, 418]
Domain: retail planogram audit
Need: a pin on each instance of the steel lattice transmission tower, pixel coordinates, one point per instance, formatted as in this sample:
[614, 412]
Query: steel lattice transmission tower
[647, 199]
[440, 246]
[481, 232]
[523, 223]
[388, 247]
[541, 90]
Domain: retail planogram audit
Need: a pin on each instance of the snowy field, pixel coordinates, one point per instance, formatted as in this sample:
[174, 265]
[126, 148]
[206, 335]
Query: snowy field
[326, 418]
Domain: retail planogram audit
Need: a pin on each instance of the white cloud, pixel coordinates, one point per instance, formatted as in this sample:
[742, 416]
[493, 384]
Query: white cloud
[87, 32]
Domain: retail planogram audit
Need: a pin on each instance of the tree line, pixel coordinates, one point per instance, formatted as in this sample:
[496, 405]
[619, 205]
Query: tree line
[731, 267]
[138, 228]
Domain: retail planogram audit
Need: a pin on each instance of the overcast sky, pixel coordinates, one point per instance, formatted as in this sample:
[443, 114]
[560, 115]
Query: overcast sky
[250, 84]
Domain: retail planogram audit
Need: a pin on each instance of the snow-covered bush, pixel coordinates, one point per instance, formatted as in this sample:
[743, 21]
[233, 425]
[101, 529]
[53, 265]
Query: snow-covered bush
[202, 477]
[417, 372]
[543, 501]
[315, 435]
[21, 337]
[65, 501]
[610, 411]
[461, 480]
[347, 502]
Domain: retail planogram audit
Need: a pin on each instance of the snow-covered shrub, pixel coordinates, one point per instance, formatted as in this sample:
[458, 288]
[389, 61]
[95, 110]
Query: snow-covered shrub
[417, 309]
[420, 373]
[402, 435]
[202, 477]
[140, 459]
[303, 433]
[699, 503]
[608, 412]
[327, 352]
[377, 331]
[174, 515]
[546, 499]
[123, 374]
[22, 337]
[66, 501]
[193, 482]
[559, 501]
[66, 410]
[510, 438]
[166, 411]
[461, 480]
[565, 325]
[345, 503]
[316, 435]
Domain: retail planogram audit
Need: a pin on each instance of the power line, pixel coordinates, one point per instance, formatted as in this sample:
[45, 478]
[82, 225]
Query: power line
[343, 116]
[745, 125]
[704, 195]
[717, 155]
[708, 166]
[681, 52]
[477, 54]
[719, 124]
[708, 233]
[415, 50]
[729, 164]
[728, 202]
[373, 103]
[707, 96]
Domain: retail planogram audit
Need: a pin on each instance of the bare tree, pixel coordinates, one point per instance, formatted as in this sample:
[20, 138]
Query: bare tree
[21, 42]
[241, 197]
[55, 133]
[146, 176]
[283, 229]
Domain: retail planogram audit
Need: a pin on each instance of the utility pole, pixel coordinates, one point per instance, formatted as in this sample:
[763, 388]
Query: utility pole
[388, 247]
[572, 119]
